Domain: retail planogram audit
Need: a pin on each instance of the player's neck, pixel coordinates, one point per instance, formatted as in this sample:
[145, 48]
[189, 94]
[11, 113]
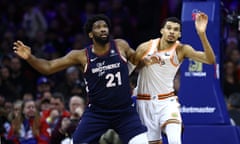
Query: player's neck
[100, 49]
[163, 44]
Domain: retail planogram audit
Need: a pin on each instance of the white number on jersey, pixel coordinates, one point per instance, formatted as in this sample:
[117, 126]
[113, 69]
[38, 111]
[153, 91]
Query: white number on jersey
[113, 80]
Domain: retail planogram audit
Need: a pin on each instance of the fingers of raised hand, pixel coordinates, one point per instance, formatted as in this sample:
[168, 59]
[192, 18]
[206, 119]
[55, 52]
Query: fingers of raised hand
[201, 16]
[15, 48]
[18, 44]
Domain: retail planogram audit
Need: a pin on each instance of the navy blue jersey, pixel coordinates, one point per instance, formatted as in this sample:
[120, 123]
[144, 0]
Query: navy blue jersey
[107, 79]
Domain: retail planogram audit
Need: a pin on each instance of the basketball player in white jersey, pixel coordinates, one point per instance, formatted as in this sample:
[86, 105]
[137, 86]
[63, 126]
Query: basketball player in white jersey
[157, 103]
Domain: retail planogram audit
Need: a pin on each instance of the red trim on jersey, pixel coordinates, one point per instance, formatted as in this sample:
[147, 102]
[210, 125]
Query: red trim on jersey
[121, 57]
[85, 68]
[171, 57]
[148, 50]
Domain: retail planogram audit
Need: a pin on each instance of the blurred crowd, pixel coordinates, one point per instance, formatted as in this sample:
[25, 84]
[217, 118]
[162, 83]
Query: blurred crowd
[230, 48]
[52, 105]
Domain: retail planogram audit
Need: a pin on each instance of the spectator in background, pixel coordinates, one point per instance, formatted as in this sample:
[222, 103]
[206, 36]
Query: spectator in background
[234, 56]
[67, 125]
[23, 75]
[6, 60]
[33, 20]
[56, 112]
[8, 106]
[64, 19]
[44, 102]
[27, 96]
[40, 46]
[46, 95]
[43, 85]
[8, 38]
[26, 127]
[231, 41]
[44, 105]
[16, 110]
[72, 83]
[234, 108]
[6, 117]
[230, 82]
[7, 110]
[7, 88]
[19, 78]
[4, 125]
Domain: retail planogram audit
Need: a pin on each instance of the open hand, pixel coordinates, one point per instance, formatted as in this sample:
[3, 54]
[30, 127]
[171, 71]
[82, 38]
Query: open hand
[153, 59]
[22, 50]
[201, 22]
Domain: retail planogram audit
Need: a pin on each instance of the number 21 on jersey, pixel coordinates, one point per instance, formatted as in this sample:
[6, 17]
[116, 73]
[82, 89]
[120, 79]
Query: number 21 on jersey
[113, 79]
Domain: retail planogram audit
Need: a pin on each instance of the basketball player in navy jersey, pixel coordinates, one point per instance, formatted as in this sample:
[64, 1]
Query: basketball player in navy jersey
[105, 69]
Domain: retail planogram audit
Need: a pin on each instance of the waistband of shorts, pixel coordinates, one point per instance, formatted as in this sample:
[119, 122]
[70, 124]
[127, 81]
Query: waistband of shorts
[159, 96]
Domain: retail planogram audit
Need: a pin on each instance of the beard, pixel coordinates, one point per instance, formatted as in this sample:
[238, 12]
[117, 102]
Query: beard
[170, 42]
[101, 40]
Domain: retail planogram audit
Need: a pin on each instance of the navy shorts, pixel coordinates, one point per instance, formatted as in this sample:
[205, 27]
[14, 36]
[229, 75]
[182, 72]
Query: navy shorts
[95, 123]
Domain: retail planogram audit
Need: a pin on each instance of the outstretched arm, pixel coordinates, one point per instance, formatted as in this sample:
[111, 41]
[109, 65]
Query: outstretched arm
[46, 66]
[208, 55]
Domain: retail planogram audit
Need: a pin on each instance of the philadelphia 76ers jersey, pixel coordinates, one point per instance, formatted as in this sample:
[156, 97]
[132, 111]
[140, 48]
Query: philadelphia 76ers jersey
[107, 79]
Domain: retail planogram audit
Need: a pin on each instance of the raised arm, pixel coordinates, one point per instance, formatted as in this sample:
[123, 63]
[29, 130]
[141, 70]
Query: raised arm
[48, 66]
[207, 56]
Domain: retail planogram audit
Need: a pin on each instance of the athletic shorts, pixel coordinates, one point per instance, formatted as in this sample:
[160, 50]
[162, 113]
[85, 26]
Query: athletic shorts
[154, 113]
[94, 123]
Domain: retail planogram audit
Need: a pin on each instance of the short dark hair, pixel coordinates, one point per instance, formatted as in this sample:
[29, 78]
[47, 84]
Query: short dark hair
[172, 19]
[88, 25]
[58, 95]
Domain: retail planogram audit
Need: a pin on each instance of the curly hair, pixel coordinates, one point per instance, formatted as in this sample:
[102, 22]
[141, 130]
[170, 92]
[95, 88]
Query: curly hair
[88, 25]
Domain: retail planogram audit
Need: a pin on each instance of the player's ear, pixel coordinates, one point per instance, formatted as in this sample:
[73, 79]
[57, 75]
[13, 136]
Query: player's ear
[161, 31]
[90, 35]
[180, 35]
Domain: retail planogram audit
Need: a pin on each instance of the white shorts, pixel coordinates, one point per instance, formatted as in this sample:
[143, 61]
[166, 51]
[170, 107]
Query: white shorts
[155, 113]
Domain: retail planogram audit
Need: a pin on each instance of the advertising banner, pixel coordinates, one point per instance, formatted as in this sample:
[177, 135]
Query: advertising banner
[200, 94]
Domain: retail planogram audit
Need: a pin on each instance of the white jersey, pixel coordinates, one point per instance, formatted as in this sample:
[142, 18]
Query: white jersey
[158, 78]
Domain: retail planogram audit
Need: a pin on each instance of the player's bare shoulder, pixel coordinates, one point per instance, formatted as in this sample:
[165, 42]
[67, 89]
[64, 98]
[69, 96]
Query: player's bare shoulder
[182, 50]
[144, 46]
[142, 49]
[122, 46]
